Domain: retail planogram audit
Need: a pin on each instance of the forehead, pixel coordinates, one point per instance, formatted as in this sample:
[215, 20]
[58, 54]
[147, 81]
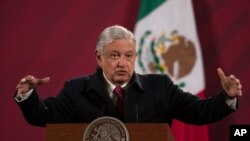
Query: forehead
[120, 45]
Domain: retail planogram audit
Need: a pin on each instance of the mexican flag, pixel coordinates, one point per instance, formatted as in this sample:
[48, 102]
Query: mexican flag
[167, 43]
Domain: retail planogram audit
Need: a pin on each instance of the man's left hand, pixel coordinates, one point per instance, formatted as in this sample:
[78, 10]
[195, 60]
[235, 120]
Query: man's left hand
[230, 84]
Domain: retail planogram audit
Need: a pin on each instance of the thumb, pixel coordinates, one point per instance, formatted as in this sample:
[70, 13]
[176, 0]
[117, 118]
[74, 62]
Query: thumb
[221, 74]
[43, 80]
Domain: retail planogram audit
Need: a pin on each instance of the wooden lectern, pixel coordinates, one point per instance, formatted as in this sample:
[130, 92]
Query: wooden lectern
[137, 132]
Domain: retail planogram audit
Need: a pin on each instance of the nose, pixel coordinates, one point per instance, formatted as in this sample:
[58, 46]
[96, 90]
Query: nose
[122, 62]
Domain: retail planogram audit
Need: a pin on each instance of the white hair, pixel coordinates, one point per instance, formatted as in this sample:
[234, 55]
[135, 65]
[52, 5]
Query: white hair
[112, 33]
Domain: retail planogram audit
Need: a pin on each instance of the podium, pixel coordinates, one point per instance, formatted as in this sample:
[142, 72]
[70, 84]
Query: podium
[137, 132]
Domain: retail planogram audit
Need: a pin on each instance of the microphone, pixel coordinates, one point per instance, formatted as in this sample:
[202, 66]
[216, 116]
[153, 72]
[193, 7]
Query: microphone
[137, 113]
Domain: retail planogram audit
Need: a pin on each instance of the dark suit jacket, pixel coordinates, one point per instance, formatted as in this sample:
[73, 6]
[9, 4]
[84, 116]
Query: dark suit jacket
[149, 98]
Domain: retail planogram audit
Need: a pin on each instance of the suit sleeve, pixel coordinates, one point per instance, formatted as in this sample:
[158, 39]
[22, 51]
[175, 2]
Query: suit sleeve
[190, 108]
[58, 109]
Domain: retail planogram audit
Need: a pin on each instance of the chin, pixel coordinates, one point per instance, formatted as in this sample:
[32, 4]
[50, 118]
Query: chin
[121, 81]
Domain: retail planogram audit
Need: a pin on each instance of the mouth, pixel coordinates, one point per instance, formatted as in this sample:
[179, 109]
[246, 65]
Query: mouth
[121, 73]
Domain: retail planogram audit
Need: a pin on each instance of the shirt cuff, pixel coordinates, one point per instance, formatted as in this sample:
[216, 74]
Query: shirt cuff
[232, 103]
[22, 97]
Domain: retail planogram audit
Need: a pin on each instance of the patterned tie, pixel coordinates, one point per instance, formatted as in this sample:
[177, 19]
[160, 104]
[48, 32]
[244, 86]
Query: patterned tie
[120, 92]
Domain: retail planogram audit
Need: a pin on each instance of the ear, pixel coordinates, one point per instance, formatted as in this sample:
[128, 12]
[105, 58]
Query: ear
[98, 58]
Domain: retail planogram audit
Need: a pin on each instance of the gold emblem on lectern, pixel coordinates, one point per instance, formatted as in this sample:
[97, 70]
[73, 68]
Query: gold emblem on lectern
[106, 129]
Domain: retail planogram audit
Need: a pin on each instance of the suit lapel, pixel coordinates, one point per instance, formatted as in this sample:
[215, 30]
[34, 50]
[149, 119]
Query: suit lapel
[133, 96]
[97, 88]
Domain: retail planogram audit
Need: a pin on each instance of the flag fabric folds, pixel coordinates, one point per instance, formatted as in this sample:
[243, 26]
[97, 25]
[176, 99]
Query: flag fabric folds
[167, 43]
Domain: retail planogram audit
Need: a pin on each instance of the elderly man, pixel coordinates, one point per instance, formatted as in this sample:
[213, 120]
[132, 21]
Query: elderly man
[116, 90]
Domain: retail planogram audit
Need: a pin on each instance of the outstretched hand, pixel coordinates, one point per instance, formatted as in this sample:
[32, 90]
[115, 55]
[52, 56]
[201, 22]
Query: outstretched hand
[230, 84]
[30, 82]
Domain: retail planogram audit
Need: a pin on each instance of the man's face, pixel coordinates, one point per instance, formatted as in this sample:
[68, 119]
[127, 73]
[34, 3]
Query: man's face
[118, 60]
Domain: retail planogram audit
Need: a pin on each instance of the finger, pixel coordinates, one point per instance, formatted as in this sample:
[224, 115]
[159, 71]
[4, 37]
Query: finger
[22, 81]
[19, 85]
[26, 79]
[29, 78]
[221, 74]
[239, 92]
[237, 80]
[19, 91]
[239, 86]
[232, 77]
[22, 89]
[234, 80]
[29, 81]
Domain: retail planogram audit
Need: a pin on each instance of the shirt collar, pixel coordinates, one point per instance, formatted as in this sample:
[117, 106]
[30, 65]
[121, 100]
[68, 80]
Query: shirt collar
[112, 86]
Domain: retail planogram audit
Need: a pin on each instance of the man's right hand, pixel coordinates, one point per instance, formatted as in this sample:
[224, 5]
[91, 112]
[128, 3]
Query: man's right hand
[30, 82]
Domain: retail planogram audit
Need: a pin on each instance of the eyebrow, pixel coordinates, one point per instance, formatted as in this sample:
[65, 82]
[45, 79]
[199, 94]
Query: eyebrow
[130, 51]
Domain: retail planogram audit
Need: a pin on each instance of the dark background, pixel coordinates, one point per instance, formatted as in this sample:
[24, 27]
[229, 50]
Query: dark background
[57, 38]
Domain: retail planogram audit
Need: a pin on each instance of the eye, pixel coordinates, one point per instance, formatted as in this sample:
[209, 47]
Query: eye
[115, 55]
[129, 55]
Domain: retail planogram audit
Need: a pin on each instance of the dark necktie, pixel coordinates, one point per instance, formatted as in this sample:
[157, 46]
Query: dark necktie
[120, 92]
